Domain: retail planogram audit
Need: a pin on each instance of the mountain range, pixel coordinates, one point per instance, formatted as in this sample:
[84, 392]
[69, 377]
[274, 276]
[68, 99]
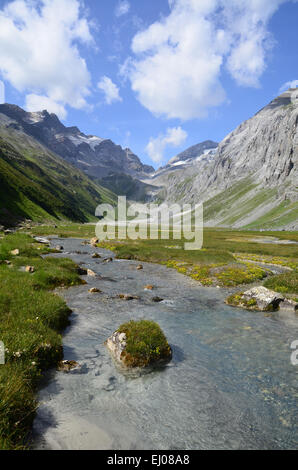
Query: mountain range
[247, 180]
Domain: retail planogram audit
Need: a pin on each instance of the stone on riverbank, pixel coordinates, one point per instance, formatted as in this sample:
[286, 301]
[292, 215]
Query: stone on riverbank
[94, 241]
[67, 366]
[258, 298]
[91, 273]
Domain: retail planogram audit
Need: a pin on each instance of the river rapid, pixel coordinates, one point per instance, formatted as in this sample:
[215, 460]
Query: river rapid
[230, 385]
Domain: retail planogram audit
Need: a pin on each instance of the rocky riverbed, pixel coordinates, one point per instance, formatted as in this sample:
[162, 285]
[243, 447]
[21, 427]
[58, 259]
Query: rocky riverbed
[230, 385]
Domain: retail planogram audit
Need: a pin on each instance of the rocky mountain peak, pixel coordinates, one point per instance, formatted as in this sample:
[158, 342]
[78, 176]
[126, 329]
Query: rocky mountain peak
[96, 156]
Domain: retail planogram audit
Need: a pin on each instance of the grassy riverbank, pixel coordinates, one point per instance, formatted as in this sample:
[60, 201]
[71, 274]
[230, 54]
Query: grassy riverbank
[228, 257]
[32, 318]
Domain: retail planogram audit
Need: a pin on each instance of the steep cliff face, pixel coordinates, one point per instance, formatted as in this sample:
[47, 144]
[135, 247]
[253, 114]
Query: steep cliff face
[265, 147]
[252, 180]
[95, 156]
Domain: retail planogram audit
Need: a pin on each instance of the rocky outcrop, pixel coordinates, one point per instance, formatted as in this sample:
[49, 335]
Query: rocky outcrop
[265, 299]
[96, 156]
[254, 171]
[262, 299]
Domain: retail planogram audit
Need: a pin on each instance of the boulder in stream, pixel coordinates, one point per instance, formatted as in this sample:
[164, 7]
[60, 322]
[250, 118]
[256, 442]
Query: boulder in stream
[139, 344]
[94, 290]
[91, 273]
[128, 297]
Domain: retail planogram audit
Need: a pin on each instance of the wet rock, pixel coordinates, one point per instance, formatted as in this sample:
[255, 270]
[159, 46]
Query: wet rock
[91, 273]
[94, 241]
[149, 287]
[140, 267]
[157, 299]
[15, 252]
[59, 248]
[96, 255]
[7, 262]
[94, 290]
[288, 304]
[108, 260]
[67, 366]
[7, 231]
[42, 240]
[29, 269]
[116, 344]
[85, 242]
[128, 297]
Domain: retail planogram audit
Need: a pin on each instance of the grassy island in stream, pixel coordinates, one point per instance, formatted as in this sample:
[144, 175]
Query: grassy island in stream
[145, 344]
[31, 319]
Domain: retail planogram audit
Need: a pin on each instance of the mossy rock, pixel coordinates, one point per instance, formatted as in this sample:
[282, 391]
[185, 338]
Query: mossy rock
[139, 344]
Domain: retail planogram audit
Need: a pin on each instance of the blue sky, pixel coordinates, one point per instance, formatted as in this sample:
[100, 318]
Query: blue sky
[157, 76]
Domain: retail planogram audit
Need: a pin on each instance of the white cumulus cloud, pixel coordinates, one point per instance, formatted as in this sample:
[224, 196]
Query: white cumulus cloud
[174, 137]
[110, 90]
[39, 52]
[178, 60]
[122, 8]
[287, 85]
[39, 103]
[2, 92]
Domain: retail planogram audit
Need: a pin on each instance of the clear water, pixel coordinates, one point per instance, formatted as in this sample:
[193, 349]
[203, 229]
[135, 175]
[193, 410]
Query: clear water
[231, 384]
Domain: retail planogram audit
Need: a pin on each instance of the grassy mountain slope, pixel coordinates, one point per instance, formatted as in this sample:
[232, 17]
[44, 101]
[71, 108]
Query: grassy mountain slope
[37, 184]
[247, 204]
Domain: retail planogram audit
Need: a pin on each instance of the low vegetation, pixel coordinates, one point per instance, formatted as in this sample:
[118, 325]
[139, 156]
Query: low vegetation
[228, 257]
[146, 343]
[31, 319]
[286, 283]
[237, 300]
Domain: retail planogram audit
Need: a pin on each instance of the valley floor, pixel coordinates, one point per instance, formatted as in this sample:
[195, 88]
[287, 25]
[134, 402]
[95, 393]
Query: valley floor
[32, 317]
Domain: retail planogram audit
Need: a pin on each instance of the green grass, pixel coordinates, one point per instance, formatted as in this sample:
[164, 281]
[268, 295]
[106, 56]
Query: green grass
[286, 283]
[36, 184]
[237, 300]
[146, 343]
[224, 259]
[31, 320]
